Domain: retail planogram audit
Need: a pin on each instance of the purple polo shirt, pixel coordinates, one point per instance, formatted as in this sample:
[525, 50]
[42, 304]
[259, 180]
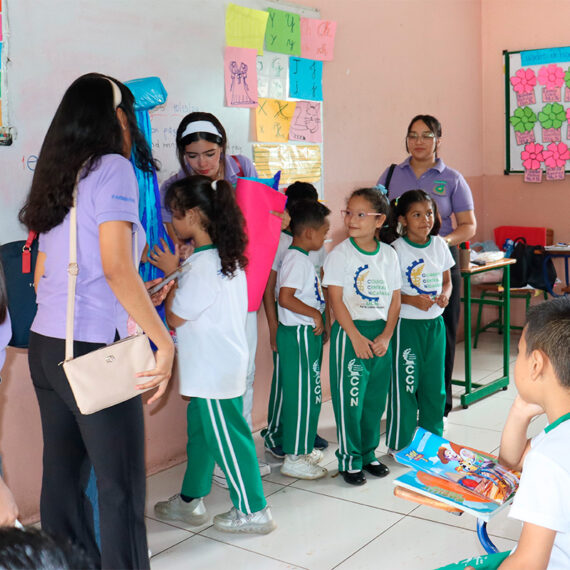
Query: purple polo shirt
[230, 168]
[5, 336]
[109, 193]
[445, 185]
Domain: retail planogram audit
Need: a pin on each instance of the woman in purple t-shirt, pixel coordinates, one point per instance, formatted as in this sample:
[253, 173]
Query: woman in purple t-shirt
[424, 170]
[93, 131]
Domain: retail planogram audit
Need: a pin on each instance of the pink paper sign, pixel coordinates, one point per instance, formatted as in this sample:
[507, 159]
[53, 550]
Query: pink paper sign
[524, 138]
[256, 201]
[551, 135]
[306, 122]
[317, 39]
[551, 95]
[534, 176]
[240, 77]
[554, 173]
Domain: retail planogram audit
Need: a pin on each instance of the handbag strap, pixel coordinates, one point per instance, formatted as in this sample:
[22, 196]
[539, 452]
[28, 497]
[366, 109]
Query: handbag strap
[388, 178]
[73, 271]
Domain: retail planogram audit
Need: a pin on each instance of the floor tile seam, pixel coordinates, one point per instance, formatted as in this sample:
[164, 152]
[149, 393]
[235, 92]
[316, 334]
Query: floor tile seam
[321, 494]
[368, 543]
[156, 554]
[219, 540]
[170, 524]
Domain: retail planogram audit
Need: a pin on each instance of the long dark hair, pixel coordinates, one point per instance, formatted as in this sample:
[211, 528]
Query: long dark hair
[183, 141]
[3, 295]
[84, 128]
[223, 218]
[401, 206]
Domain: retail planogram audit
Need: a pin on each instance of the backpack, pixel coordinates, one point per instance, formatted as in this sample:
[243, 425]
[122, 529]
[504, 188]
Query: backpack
[19, 261]
[531, 267]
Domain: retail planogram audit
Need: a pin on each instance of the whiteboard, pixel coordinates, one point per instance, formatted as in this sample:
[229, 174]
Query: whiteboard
[52, 42]
[535, 98]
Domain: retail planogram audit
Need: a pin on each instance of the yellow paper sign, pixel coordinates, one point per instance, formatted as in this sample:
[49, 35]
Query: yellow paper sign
[296, 161]
[245, 27]
[273, 119]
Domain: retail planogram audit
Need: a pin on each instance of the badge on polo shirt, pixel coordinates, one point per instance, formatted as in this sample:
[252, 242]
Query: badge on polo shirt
[439, 187]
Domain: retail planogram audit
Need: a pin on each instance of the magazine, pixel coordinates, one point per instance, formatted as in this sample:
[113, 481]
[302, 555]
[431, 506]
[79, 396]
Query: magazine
[458, 475]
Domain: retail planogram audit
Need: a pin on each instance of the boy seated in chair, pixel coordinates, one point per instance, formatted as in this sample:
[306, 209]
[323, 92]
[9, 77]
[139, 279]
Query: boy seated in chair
[542, 502]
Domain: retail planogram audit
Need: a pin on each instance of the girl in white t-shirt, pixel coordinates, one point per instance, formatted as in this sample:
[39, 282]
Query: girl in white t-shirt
[419, 340]
[363, 280]
[208, 308]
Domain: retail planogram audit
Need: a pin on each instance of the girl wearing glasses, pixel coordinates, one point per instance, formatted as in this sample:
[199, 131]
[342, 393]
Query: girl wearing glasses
[363, 280]
[424, 170]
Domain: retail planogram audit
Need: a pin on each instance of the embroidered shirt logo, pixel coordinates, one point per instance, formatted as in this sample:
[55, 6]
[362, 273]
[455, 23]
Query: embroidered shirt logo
[439, 187]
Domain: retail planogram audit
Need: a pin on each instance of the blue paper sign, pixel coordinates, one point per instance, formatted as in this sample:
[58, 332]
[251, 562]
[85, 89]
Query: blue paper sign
[305, 79]
[545, 56]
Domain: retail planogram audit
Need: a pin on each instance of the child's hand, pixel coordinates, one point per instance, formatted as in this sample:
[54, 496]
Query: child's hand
[442, 301]
[159, 296]
[327, 332]
[526, 409]
[380, 345]
[362, 346]
[273, 337]
[423, 302]
[319, 324]
[163, 258]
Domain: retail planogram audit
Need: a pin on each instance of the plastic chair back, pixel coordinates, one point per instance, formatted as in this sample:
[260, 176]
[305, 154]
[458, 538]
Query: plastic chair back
[533, 236]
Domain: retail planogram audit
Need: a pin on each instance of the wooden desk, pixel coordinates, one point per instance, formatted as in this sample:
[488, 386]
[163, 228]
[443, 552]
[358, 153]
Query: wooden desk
[474, 391]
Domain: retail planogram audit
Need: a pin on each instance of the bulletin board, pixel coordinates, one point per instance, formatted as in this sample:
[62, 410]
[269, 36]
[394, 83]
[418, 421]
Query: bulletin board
[183, 42]
[537, 102]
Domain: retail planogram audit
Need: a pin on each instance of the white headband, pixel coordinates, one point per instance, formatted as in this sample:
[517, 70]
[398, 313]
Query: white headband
[117, 95]
[201, 127]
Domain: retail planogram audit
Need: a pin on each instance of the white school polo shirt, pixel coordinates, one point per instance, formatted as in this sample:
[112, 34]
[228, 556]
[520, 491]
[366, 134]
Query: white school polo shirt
[212, 344]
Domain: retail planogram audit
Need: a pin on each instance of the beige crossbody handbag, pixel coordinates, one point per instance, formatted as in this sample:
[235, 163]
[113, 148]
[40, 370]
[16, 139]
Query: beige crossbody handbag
[106, 376]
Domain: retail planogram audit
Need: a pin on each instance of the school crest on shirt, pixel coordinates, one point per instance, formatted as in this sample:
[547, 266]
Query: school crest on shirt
[439, 187]
[361, 285]
[319, 291]
[416, 278]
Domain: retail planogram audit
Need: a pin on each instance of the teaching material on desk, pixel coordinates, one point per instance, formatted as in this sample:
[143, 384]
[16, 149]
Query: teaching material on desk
[469, 473]
[193, 83]
[537, 95]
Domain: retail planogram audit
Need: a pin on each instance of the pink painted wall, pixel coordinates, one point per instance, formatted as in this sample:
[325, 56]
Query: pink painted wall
[393, 59]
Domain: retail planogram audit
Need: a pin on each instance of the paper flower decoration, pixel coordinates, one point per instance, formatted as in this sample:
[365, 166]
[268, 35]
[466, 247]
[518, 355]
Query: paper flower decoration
[551, 76]
[523, 119]
[567, 78]
[552, 116]
[556, 154]
[523, 81]
[532, 156]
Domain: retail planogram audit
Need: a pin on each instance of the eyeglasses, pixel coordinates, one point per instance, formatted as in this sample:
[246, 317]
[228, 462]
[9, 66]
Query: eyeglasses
[427, 136]
[359, 215]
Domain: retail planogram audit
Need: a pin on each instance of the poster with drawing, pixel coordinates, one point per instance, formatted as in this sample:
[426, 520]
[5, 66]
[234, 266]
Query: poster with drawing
[240, 77]
[537, 84]
[306, 122]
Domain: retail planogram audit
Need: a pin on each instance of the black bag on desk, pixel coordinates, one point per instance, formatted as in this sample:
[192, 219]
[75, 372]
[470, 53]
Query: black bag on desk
[528, 270]
[19, 261]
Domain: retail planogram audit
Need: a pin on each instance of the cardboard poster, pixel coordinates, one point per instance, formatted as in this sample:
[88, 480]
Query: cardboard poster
[273, 119]
[305, 79]
[256, 201]
[283, 33]
[296, 161]
[245, 27]
[317, 39]
[306, 123]
[272, 73]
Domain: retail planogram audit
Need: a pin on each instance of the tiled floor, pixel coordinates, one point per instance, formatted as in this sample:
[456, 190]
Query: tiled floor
[326, 524]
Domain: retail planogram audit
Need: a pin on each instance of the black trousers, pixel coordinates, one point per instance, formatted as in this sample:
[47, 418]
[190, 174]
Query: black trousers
[451, 320]
[112, 440]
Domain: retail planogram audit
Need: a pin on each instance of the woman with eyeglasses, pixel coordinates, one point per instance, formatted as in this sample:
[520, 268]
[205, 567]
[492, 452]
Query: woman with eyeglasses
[425, 170]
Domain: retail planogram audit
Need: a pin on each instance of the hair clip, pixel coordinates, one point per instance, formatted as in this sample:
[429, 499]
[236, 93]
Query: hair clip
[214, 185]
[396, 201]
[381, 188]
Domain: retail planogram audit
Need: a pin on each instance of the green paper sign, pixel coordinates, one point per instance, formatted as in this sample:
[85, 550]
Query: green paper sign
[523, 119]
[283, 32]
[552, 116]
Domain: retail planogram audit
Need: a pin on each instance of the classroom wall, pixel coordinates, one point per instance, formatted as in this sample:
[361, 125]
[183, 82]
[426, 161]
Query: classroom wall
[393, 59]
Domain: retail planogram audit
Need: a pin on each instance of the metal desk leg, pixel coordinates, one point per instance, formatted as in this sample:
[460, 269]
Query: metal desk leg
[507, 321]
[467, 333]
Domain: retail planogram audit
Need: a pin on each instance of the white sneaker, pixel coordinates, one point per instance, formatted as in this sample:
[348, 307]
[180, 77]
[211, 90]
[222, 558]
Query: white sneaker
[175, 509]
[316, 456]
[264, 468]
[302, 468]
[219, 477]
[234, 520]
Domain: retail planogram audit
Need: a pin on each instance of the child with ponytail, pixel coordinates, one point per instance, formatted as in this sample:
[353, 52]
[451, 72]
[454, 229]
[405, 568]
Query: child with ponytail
[208, 308]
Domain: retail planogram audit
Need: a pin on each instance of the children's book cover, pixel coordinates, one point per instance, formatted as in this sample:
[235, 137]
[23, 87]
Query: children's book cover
[469, 478]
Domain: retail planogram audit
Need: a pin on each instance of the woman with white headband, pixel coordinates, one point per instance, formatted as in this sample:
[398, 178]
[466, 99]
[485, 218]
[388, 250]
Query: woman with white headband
[201, 144]
[90, 140]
